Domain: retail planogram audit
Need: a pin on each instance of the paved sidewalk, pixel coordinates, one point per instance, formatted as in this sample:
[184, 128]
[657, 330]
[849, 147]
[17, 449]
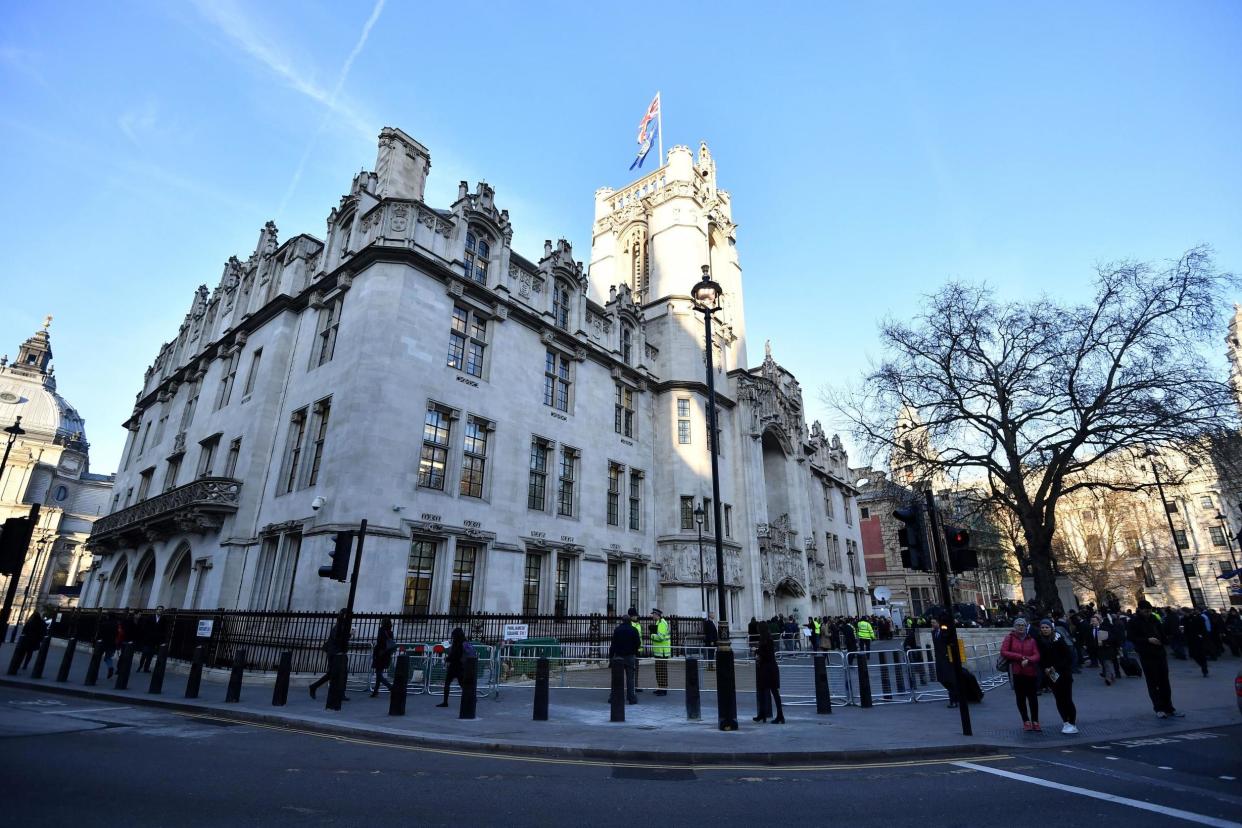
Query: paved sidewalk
[656, 729]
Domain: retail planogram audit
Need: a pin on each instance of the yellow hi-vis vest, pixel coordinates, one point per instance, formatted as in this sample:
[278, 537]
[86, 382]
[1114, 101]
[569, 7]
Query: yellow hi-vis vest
[638, 627]
[865, 631]
[661, 646]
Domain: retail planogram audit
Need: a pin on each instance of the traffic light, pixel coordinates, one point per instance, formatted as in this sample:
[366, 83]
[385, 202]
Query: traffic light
[14, 541]
[912, 539]
[338, 570]
[961, 556]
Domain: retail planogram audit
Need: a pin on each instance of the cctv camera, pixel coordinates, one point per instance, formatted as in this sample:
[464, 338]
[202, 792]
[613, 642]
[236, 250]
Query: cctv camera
[318, 502]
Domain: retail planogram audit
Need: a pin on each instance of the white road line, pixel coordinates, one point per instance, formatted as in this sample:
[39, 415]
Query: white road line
[82, 710]
[1120, 800]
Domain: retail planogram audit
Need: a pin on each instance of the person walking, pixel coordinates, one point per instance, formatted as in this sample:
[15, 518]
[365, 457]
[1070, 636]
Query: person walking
[32, 636]
[1022, 653]
[768, 679]
[337, 643]
[812, 624]
[866, 634]
[454, 662]
[1056, 659]
[109, 638]
[381, 655]
[152, 631]
[711, 637]
[625, 645]
[661, 650]
[1195, 633]
[1102, 649]
[849, 641]
[1147, 635]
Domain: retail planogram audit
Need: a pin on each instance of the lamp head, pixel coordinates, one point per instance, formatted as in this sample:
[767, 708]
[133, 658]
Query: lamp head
[16, 429]
[698, 514]
[707, 292]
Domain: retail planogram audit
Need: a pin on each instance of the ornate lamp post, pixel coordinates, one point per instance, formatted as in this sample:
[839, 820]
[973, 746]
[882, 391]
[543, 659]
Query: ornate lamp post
[706, 295]
[1152, 454]
[14, 431]
[698, 519]
[854, 580]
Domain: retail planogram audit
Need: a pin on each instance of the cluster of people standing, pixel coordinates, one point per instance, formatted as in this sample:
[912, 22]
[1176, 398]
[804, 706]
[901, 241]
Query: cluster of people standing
[821, 633]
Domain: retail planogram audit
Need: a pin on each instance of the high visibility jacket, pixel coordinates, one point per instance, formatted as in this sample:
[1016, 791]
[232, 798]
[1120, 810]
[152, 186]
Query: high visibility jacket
[816, 624]
[661, 641]
[865, 631]
[638, 627]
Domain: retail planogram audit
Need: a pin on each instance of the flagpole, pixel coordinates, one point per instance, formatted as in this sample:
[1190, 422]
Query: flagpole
[660, 117]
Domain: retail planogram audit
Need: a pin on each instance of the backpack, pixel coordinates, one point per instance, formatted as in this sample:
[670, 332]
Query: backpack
[468, 651]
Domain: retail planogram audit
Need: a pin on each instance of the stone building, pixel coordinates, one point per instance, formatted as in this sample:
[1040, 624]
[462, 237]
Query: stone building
[50, 465]
[520, 438]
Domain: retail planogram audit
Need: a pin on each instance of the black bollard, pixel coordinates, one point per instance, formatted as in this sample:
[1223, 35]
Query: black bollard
[124, 665]
[18, 651]
[861, 662]
[726, 687]
[694, 710]
[470, 681]
[823, 695]
[196, 673]
[280, 692]
[541, 689]
[762, 702]
[899, 671]
[401, 678]
[617, 699]
[233, 693]
[338, 676]
[41, 657]
[157, 675]
[886, 684]
[92, 668]
[66, 661]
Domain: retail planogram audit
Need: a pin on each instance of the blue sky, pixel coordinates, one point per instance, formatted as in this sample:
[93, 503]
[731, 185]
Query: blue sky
[873, 149]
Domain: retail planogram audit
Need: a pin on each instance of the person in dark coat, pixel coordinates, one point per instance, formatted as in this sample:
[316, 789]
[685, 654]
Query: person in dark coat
[454, 661]
[945, 672]
[849, 641]
[381, 655]
[336, 644]
[1147, 635]
[152, 631]
[32, 636]
[768, 678]
[625, 645]
[1102, 647]
[108, 637]
[1056, 663]
[1194, 632]
[711, 637]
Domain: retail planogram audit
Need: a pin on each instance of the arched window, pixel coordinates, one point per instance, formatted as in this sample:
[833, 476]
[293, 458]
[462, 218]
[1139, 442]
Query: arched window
[627, 344]
[478, 253]
[634, 258]
[560, 305]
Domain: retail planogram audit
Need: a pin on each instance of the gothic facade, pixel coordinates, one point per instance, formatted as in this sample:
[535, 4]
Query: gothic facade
[523, 435]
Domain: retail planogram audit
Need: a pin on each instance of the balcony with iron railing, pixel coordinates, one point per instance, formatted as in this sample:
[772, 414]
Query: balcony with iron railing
[199, 506]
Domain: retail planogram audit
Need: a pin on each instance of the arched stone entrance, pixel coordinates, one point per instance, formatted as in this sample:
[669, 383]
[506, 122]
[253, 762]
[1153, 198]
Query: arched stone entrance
[116, 585]
[144, 580]
[178, 578]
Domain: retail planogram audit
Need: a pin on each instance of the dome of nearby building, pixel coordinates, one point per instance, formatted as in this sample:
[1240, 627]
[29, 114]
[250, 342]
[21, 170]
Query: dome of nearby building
[28, 390]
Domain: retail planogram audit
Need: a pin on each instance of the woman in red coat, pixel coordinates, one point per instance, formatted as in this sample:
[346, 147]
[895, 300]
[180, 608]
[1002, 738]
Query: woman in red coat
[1022, 653]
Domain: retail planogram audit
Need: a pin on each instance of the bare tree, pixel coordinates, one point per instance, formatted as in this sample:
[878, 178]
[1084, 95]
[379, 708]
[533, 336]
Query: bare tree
[1024, 398]
[1093, 543]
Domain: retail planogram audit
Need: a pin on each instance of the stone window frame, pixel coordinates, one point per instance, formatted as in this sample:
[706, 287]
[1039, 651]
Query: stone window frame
[321, 413]
[327, 329]
[468, 341]
[539, 461]
[431, 446]
[418, 548]
[558, 380]
[623, 410]
[567, 505]
[635, 499]
[207, 449]
[294, 438]
[475, 456]
[478, 249]
[616, 474]
[562, 303]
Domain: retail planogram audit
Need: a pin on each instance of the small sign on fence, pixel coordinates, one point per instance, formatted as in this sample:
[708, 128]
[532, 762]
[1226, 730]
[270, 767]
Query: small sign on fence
[516, 632]
[204, 627]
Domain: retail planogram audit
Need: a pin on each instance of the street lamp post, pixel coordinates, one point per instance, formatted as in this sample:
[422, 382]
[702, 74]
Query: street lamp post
[706, 295]
[1224, 527]
[854, 580]
[14, 431]
[1155, 470]
[698, 519]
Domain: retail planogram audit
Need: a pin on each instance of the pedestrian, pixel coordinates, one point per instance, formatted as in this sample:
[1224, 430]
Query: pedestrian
[812, 625]
[1148, 636]
[711, 637]
[1022, 653]
[1103, 649]
[849, 641]
[1056, 659]
[1195, 633]
[1233, 631]
[454, 662]
[752, 633]
[109, 636]
[381, 655]
[946, 673]
[661, 649]
[32, 636]
[768, 679]
[638, 628]
[337, 643]
[152, 631]
[624, 648]
[866, 634]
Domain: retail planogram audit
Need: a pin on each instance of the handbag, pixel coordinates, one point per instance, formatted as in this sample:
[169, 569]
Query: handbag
[1002, 664]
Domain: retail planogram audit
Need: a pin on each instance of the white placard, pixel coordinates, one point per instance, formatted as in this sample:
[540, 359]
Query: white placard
[204, 627]
[516, 632]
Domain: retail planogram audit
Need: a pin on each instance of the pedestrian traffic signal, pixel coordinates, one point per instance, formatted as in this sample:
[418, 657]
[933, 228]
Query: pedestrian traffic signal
[961, 556]
[14, 542]
[912, 539]
[338, 570]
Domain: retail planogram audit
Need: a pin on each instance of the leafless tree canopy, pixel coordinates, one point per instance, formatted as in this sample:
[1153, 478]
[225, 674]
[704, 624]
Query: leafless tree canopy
[1029, 396]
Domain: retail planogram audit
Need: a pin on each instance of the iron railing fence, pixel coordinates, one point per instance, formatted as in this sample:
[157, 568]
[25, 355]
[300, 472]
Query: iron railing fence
[264, 635]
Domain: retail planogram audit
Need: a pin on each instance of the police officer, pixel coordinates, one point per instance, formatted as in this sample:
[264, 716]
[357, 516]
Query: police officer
[633, 615]
[661, 648]
[866, 634]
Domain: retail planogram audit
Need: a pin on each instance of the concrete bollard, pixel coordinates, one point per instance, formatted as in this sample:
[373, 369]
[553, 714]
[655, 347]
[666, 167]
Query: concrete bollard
[233, 693]
[66, 661]
[338, 677]
[861, 663]
[541, 689]
[92, 668]
[469, 684]
[823, 694]
[694, 710]
[280, 691]
[400, 680]
[617, 699]
[41, 657]
[157, 675]
[124, 665]
[18, 651]
[196, 673]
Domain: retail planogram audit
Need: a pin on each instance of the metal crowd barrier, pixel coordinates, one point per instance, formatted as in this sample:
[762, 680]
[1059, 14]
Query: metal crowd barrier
[427, 670]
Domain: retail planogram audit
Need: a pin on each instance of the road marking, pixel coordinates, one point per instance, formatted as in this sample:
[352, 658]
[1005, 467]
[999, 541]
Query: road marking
[1176, 813]
[81, 710]
[551, 760]
[1229, 778]
[1165, 767]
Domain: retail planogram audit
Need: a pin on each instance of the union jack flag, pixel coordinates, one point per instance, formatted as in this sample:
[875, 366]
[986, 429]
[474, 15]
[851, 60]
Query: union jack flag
[648, 131]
